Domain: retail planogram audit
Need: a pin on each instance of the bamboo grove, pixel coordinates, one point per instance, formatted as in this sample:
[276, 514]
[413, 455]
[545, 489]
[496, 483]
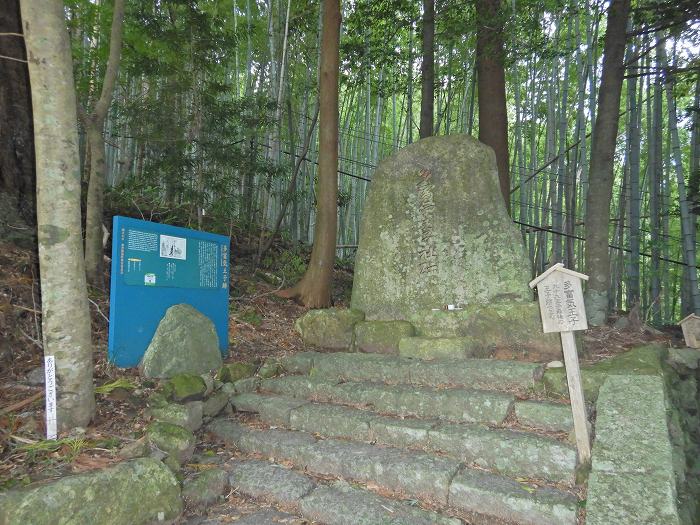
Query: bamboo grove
[214, 121]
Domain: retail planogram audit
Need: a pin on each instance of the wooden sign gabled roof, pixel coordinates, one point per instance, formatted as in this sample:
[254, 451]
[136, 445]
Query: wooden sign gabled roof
[688, 317]
[559, 267]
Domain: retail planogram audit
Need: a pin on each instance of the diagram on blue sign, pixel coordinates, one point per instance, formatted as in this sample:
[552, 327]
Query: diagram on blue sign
[173, 247]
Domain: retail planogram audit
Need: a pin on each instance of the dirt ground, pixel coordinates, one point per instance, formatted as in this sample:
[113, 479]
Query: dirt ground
[261, 326]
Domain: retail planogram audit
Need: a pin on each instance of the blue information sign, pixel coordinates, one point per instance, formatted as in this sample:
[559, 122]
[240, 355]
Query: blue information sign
[155, 266]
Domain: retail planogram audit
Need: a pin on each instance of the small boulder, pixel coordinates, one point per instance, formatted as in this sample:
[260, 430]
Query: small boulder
[270, 368]
[135, 492]
[329, 327]
[232, 372]
[176, 441]
[188, 415]
[135, 449]
[185, 342]
[205, 489]
[215, 404]
[185, 387]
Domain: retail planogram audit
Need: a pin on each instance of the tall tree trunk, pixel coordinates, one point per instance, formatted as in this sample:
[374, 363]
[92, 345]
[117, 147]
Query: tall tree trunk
[66, 317]
[94, 124]
[17, 178]
[491, 83]
[602, 155]
[314, 289]
[427, 69]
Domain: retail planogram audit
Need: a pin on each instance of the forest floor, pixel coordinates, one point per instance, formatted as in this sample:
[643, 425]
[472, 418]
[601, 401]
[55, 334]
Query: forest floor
[261, 326]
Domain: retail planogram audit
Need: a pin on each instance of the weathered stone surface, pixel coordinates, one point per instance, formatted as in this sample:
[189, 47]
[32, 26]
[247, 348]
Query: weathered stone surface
[215, 404]
[298, 386]
[269, 517]
[362, 367]
[514, 328]
[300, 363]
[185, 342]
[412, 473]
[276, 443]
[233, 372]
[342, 504]
[243, 386]
[225, 429]
[488, 374]
[188, 415]
[435, 231]
[553, 417]
[135, 449]
[642, 360]
[630, 499]
[381, 337]
[440, 348]
[685, 357]
[484, 493]
[329, 328]
[514, 454]
[473, 406]
[133, 492]
[273, 410]
[270, 368]
[331, 421]
[401, 432]
[176, 441]
[206, 488]
[270, 482]
[631, 428]
[632, 477]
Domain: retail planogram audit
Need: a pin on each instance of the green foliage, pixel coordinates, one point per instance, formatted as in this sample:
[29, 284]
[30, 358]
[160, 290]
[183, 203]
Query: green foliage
[122, 382]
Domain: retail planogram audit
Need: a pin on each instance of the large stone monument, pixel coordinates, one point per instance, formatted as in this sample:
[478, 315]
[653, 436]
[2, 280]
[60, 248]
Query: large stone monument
[435, 232]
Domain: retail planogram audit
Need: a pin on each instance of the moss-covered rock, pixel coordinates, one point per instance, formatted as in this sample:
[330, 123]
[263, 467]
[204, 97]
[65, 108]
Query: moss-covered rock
[206, 488]
[435, 231]
[329, 327]
[185, 387]
[381, 337]
[642, 360]
[133, 492]
[176, 441]
[232, 372]
[185, 342]
[188, 415]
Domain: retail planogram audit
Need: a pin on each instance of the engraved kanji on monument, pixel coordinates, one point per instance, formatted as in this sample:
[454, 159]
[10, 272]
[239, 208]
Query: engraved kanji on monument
[561, 305]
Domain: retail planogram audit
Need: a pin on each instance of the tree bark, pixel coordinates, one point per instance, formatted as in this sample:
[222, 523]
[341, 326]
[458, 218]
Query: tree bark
[66, 317]
[314, 289]
[601, 167]
[94, 124]
[17, 177]
[427, 69]
[491, 84]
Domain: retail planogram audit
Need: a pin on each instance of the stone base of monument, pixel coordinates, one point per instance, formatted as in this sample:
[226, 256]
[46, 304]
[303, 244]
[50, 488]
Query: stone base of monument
[503, 330]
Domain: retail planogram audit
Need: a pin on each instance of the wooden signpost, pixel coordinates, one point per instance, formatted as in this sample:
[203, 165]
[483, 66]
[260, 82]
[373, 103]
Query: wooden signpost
[561, 305]
[691, 330]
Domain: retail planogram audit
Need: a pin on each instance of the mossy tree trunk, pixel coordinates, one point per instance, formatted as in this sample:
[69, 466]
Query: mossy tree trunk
[314, 289]
[66, 316]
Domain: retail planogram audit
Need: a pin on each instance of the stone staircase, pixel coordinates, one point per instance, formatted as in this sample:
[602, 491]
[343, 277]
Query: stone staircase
[372, 439]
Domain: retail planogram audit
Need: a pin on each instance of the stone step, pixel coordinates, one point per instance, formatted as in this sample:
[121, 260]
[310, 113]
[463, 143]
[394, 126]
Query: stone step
[517, 454]
[333, 504]
[424, 402]
[431, 479]
[452, 404]
[489, 374]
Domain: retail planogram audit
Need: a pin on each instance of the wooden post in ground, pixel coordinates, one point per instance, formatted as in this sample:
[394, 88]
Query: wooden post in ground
[561, 305]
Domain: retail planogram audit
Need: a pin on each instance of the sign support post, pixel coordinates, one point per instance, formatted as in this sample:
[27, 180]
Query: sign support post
[561, 305]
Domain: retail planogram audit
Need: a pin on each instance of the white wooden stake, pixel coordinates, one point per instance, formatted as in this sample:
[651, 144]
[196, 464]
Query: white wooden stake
[578, 405]
[50, 382]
